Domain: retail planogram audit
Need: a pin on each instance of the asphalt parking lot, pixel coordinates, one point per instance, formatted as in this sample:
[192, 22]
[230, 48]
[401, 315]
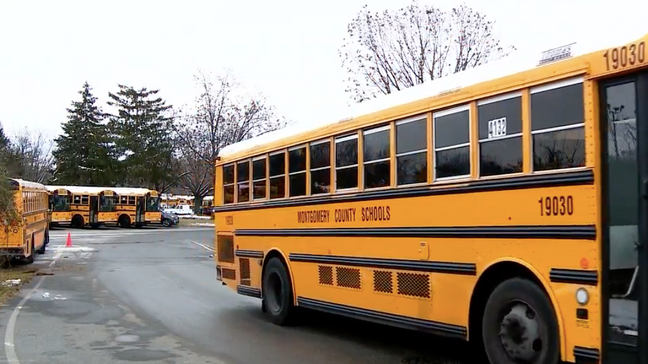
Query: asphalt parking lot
[151, 295]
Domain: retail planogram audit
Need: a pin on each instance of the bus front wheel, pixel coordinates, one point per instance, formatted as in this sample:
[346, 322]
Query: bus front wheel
[277, 292]
[519, 325]
[124, 221]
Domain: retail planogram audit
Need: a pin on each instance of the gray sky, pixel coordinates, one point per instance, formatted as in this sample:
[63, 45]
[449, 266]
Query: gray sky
[286, 49]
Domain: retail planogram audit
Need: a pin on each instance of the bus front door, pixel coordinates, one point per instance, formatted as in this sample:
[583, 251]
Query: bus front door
[94, 210]
[141, 209]
[624, 281]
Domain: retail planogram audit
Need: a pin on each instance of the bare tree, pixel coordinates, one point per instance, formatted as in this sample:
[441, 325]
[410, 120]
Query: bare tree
[198, 177]
[224, 113]
[32, 158]
[396, 49]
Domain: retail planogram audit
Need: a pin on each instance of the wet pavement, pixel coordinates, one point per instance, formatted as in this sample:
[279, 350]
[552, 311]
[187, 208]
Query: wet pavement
[123, 296]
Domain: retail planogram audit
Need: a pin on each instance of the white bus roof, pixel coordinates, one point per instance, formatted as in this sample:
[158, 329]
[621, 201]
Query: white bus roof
[81, 189]
[131, 191]
[29, 184]
[514, 63]
[97, 190]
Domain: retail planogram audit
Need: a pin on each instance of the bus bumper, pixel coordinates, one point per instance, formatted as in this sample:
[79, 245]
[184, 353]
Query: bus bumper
[13, 252]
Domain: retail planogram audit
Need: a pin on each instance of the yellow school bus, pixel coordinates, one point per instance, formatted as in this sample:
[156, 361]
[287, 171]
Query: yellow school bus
[137, 206]
[505, 205]
[30, 234]
[80, 206]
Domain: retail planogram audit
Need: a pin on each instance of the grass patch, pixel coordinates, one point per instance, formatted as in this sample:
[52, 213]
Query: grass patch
[13, 272]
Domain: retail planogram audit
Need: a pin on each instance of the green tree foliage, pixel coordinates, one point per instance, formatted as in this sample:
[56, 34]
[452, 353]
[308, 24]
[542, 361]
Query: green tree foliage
[8, 211]
[142, 131]
[83, 154]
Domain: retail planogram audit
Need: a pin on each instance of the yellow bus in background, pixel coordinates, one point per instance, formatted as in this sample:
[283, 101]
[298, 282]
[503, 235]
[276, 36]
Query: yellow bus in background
[79, 206]
[137, 206]
[505, 205]
[30, 234]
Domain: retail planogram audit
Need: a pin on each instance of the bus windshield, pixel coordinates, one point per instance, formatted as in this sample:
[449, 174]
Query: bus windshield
[60, 203]
[153, 204]
[107, 203]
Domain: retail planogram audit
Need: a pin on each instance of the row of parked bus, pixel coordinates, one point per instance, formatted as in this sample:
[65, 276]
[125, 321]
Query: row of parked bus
[80, 206]
[40, 206]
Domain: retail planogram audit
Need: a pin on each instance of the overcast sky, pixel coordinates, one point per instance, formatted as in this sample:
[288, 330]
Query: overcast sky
[286, 49]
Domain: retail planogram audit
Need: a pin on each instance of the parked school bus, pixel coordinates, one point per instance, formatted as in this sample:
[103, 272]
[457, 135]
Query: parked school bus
[78, 206]
[137, 206]
[30, 233]
[504, 205]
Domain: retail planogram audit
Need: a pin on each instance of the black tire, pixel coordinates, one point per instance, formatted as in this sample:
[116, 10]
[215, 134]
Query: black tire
[277, 293]
[77, 222]
[509, 299]
[124, 222]
[46, 236]
[166, 222]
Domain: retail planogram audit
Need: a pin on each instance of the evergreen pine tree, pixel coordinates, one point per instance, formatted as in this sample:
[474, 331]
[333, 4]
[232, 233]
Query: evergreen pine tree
[142, 130]
[8, 213]
[83, 152]
[5, 142]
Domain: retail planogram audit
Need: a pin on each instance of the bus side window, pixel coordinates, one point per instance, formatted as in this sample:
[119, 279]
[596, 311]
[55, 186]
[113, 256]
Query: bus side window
[258, 178]
[228, 183]
[411, 151]
[558, 125]
[452, 142]
[278, 175]
[297, 171]
[77, 199]
[346, 162]
[243, 181]
[320, 167]
[500, 134]
[377, 165]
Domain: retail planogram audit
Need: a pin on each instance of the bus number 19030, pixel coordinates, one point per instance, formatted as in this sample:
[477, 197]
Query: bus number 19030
[556, 205]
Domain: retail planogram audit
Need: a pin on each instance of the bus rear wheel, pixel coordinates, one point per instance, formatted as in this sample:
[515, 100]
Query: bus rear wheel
[519, 325]
[277, 293]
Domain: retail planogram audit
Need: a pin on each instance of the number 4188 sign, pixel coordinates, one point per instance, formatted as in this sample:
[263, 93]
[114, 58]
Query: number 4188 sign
[497, 128]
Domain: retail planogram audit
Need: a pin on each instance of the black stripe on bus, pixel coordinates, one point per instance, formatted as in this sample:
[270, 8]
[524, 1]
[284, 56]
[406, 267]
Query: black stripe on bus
[586, 355]
[36, 223]
[249, 253]
[433, 327]
[517, 232]
[585, 177]
[248, 291]
[575, 276]
[396, 264]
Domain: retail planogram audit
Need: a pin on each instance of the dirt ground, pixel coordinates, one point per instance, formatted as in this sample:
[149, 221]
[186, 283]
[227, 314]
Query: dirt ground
[12, 277]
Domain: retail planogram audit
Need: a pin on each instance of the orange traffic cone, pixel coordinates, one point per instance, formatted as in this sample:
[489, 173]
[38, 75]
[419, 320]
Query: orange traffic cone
[68, 243]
